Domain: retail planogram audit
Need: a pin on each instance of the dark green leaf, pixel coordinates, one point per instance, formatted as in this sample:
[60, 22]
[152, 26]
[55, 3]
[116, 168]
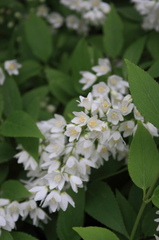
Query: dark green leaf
[153, 45]
[154, 69]
[72, 217]
[135, 50]
[4, 170]
[95, 233]
[5, 235]
[6, 152]
[22, 236]
[60, 85]
[39, 37]
[80, 61]
[102, 205]
[31, 145]
[14, 190]
[143, 163]
[130, 13]
[20, 124]
[113, 34]
[155, 197]
[128, 213]
[11, 96]
[145, 93]
[29, 69]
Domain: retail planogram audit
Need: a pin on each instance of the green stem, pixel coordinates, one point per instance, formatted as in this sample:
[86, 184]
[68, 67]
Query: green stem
[145, 201]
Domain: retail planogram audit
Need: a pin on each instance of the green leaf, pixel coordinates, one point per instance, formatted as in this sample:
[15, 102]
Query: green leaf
[30, 68]
[6, 152]
[80, 61]
[130, 13]
[20, 124]
[127, 211]
[135, 50]
[39, 37]
[148, 224]
[72, 217]
[113, 34]
[31, 145]
[143, 163]
[5, 235]
[1, 102]
[14, 190]
[60, 85]
[154, 69]
[95, 233]
[4, 170]
[102, 205]
[22, 236]
[145, 93]
[155, 197]
[152, 44]
[11, 96]
[31, 101]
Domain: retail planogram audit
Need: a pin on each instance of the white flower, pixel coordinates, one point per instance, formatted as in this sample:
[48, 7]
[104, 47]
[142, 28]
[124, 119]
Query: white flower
[65, 199]
[94, 124]
[2, 76]
[88, 79]
[58, 123]
[55, 180]
[117, 83]
[157, 238]
[114, 116]
[73, 132]
[80, 119]
[86, 102]
[4, 201]
[13, 209]
[12, 67]
[75, 182]
[152, 129]
[40, 192]
[103, 68]
[52, 200]
[28, 161]
[38, 214]
[117, 141]
[127, 128]
[85, 147]
[126, 106]
[55, 149]
[55, 19]
[42, 11]
[138, 115]
[72, 22]
[100, 90]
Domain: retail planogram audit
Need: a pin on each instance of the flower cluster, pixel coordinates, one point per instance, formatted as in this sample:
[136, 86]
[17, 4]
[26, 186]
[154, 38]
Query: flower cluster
[150, 11]
[91, 12]
[11, 211]
[11, 66]
[96, 133]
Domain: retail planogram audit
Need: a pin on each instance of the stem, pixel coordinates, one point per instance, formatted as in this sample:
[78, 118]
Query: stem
[145, 201]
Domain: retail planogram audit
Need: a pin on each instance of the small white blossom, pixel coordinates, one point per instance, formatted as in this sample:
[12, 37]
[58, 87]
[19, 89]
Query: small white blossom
[94, 124]
[127, 128]
[114, 116]
[42, 11]
[72, 22]
[2, 76]
[80, 119]
[12, 67]
[88, 79]
[73, 132]
[55, 19]
[103, 68]
[65, 199]
[100, 90]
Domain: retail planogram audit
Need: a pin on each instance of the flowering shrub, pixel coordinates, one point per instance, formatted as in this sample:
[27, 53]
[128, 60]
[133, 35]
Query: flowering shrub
[79, 120]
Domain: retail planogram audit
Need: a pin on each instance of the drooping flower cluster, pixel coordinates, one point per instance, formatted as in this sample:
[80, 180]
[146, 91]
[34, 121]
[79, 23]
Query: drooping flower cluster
[11, 211]
[150, 11]
[97, 132]
[91, 12]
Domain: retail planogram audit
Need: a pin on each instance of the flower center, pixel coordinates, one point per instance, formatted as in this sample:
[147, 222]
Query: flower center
[73, 132]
